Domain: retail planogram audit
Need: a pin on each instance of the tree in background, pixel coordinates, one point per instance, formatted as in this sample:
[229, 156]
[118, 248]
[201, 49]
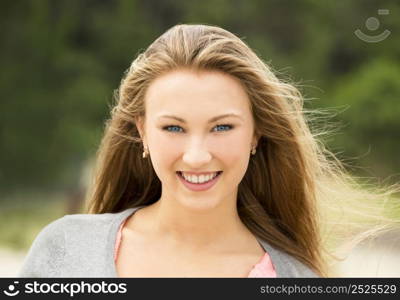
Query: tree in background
[61, 61]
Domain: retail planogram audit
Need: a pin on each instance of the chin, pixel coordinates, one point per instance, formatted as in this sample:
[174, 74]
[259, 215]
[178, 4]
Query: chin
[199, 204]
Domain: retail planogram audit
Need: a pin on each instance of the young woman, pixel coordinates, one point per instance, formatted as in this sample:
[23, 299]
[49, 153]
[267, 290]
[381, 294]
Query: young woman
[207, 169]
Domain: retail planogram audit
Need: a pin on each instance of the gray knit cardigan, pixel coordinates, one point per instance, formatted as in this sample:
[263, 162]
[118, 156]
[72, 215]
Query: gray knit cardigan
[82, 245]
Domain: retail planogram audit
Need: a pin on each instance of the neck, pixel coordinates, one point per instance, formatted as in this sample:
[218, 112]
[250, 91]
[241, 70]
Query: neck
[198, 229]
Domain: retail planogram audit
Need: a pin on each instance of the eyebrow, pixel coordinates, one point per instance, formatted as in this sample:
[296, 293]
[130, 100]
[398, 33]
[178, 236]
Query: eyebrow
[213, 119]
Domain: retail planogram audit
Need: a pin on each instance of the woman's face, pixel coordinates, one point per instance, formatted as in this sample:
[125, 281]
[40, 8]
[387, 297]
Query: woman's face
[184, 134]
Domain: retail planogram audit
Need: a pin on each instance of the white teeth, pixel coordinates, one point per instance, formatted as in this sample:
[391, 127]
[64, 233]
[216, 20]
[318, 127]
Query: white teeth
[199, 179]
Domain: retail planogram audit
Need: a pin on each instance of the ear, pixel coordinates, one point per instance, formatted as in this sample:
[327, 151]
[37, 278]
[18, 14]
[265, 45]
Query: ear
[139, 121]
[255, 140]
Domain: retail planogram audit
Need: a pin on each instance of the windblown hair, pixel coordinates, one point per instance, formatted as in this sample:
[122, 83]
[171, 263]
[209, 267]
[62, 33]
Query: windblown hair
[278, 198]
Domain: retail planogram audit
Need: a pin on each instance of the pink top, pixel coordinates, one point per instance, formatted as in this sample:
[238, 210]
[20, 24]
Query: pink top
[263, 268]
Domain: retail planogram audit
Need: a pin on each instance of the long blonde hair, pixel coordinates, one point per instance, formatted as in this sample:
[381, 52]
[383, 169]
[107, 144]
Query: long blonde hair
[277, 198]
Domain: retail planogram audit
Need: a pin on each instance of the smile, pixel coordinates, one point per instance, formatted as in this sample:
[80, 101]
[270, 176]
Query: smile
[200, 183]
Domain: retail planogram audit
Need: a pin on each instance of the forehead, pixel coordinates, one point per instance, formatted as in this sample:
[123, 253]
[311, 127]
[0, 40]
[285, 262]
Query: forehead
[196, 91]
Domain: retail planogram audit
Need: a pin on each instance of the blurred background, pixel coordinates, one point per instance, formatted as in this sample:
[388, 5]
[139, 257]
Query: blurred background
[61, 61]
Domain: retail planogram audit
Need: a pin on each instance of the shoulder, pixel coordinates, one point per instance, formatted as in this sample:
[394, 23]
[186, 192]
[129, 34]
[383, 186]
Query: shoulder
[47, 251]
[285, 264]
[65, 238]
[292, 267]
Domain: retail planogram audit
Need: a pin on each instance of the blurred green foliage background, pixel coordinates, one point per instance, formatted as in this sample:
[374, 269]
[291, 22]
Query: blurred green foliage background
[61, 60]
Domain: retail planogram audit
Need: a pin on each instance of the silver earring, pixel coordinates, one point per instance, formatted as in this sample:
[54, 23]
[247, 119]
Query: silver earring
[253, 151]
[145, 152]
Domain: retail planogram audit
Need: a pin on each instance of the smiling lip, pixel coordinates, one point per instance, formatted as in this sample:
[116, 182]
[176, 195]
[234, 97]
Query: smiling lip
[198, 173]
[199, 186]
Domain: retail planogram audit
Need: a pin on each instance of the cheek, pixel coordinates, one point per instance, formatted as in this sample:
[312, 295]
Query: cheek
[236, 145]
[234, 152]
[164, 153]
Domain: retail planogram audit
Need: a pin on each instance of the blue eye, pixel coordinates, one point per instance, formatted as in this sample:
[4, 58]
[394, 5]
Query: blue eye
[171, 126]
[224, 125]
[176, 128]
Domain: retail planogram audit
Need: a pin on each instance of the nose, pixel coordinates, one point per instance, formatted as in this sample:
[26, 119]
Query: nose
[197, 155]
